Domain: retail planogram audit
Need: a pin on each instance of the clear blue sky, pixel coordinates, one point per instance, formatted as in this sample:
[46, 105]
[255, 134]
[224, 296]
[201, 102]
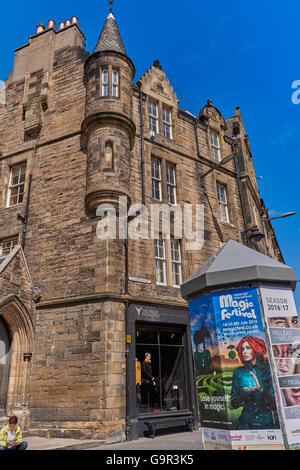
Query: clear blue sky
[242, 53]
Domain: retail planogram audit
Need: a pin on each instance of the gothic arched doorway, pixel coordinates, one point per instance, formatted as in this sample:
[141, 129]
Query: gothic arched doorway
[5, 346]
[16, 317]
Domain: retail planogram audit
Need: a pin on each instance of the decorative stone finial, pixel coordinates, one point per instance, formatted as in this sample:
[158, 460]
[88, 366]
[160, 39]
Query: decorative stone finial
[156, 64]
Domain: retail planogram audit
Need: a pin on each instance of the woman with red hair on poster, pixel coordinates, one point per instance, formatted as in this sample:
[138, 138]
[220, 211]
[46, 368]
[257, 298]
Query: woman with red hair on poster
[252, 387]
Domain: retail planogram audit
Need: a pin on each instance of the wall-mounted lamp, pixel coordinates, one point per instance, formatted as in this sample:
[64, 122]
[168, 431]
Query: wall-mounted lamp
[255, 235]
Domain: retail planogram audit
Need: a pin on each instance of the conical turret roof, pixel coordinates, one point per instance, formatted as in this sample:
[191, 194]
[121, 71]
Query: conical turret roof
[110, 38]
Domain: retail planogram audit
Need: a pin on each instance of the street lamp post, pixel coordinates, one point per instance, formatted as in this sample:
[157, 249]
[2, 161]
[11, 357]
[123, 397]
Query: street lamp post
[287, 214]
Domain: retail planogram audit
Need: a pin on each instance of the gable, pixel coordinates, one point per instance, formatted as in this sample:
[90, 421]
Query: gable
[155, 84]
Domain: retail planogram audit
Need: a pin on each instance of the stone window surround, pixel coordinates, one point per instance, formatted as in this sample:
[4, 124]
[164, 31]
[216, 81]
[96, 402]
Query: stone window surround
[160, 120]
[224, 185]
[214, 146]
[156, 179]
[23, 183]
[110, 68]
[164, 161]
[168, 262]
[5, 177]
[217, 129]
[153, 117]
[167, 123]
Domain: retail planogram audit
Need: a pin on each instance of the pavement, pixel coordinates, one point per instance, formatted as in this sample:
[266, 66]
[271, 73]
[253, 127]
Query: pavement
[57, 443]
[178, 441]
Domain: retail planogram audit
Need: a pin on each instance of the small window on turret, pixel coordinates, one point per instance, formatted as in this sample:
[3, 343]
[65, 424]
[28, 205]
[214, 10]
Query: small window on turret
[115, 83]
[105, 82]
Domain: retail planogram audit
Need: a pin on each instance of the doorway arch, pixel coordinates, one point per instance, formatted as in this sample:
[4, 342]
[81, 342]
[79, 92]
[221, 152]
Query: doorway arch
[5, 345]
[17, 319]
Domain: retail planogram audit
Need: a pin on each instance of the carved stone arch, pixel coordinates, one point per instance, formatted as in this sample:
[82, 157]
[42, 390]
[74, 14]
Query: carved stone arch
[19, 323]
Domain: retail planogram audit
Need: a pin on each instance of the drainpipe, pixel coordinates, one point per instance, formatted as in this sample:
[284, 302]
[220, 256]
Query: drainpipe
[24, 218]
[127, 326]
[127, 332]
[199, 155]
[142, 144]
[196, 136]
[240, 193]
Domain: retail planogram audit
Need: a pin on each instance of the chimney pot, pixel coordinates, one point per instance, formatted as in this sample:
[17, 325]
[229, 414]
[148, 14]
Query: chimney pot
[40, 28]
[74, 20]
[61, 25]
[67, 23]
[51, 24]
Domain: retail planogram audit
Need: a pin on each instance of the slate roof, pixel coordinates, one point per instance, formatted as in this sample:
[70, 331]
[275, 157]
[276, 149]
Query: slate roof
[110, 38]
[236, 263]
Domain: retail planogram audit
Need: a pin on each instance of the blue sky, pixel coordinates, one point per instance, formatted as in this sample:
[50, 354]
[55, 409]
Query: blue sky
[235, 53]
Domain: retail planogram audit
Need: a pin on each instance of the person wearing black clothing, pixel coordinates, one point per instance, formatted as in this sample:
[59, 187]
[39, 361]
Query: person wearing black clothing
[147, 381]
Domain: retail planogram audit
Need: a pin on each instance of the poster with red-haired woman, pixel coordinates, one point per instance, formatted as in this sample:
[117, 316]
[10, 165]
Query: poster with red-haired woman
[252, 387]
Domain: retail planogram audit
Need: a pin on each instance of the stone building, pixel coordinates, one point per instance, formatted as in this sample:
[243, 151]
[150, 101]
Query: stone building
[79, 312]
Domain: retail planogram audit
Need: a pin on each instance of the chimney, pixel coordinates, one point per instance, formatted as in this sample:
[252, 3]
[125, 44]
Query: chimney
[40, 28]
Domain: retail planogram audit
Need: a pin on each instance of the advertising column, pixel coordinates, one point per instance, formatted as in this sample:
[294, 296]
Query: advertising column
[234, 383]
[284, 331]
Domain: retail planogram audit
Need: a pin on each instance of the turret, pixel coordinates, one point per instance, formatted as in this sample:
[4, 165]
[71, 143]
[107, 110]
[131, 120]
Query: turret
[108, 123]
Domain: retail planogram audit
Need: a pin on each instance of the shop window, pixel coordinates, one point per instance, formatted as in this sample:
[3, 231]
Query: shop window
[160, 370]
